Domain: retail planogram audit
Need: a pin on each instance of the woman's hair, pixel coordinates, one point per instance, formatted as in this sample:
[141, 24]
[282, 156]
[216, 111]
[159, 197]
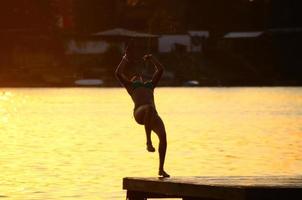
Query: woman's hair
[141, 75]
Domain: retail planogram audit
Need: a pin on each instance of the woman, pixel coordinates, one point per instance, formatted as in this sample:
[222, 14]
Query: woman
[145, 112]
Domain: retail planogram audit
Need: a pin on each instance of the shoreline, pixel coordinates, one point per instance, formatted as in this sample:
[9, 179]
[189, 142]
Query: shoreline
[166, 85]
[99, 87]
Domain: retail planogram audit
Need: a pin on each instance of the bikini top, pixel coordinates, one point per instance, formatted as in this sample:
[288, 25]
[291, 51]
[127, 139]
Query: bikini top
[137, 84]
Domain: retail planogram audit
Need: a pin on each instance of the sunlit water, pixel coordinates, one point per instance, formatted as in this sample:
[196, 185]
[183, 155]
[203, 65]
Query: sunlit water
[79, 143]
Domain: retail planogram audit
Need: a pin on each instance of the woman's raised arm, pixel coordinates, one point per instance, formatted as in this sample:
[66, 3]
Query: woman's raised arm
[159, 69]
[119, 72]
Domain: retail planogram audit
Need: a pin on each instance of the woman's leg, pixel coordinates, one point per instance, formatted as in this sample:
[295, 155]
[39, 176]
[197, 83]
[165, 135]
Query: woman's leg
[148, 120]
[159, 128]
[144, 115]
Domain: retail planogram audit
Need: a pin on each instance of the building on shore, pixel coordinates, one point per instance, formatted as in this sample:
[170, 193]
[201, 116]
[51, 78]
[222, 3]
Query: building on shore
[192, 41]
[98, 43]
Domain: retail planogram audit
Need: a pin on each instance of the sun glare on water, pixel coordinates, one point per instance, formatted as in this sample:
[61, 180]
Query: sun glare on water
[80, 143]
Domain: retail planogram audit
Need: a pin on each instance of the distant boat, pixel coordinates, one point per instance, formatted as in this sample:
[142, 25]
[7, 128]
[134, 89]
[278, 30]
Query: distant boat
[191, 83]
[89, 82]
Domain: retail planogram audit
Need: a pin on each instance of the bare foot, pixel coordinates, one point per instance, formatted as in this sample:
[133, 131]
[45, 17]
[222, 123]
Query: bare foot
[150, 148]
[162, 173]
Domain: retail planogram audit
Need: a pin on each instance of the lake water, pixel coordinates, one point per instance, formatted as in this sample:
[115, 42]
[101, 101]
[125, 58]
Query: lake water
[79, 143]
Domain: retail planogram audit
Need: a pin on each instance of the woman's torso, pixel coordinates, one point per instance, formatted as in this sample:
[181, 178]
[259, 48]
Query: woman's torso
[142, 94]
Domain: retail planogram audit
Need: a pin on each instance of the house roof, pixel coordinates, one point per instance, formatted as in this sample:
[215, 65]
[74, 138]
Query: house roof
[124, 33]
[252, 34]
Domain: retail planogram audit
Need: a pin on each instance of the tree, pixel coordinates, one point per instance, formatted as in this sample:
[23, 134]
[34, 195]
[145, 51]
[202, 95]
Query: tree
[28, 14]
[96, 15]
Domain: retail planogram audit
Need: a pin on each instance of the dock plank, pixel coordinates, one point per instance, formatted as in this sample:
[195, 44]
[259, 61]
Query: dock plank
[224, 188]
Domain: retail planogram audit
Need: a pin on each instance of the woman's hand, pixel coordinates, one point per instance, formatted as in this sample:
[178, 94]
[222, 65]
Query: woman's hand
[125, 57]
[147, 57]
[126, 54]
[129, 52]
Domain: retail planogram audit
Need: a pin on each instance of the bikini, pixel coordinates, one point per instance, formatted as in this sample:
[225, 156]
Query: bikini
[138, 84]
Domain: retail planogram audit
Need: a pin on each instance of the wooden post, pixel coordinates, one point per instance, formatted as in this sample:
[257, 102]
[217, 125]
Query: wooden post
[132, 195]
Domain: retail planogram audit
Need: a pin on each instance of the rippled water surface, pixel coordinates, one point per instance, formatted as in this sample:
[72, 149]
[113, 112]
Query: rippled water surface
[79, 143]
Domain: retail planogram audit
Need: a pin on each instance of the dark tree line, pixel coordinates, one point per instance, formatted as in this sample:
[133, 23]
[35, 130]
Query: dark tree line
[179, 15]
[28, 14]
[31, 38]
[154, 15]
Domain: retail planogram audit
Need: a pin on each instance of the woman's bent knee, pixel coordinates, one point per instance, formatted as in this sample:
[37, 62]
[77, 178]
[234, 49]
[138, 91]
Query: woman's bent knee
[142, 112]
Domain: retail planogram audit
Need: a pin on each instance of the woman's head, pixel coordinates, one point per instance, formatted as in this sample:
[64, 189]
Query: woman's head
[137, 77]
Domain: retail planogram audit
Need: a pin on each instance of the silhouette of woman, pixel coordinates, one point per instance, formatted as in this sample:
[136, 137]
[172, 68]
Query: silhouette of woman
[145, 112]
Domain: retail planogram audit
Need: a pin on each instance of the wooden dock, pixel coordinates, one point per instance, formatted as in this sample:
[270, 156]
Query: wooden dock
[215, 188]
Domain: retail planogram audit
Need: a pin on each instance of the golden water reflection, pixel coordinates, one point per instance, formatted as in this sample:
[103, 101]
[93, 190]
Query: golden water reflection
[79, 143]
